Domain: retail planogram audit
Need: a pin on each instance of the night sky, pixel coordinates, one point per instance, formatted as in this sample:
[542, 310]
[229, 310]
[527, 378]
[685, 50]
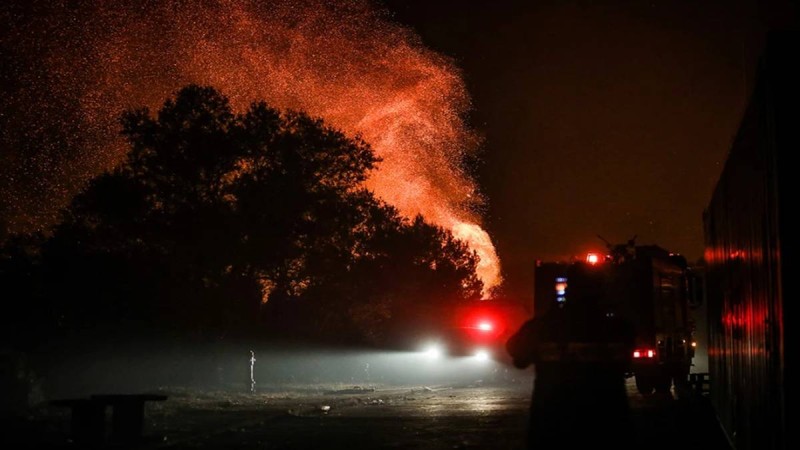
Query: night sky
[609, 118]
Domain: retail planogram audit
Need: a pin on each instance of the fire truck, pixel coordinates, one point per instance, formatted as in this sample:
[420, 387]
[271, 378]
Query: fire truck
[647, 286]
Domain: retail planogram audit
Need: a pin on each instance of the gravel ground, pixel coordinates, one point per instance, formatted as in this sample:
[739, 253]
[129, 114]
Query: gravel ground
[468, 415]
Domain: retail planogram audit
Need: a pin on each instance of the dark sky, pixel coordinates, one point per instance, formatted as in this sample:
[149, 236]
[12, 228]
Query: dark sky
[609, 118]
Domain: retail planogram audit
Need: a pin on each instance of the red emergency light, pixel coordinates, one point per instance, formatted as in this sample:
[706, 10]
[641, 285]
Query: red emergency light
[593, 258]
[485, 326]
[482, 327]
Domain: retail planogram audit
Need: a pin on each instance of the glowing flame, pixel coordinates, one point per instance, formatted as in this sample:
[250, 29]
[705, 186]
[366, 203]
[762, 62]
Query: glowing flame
[479, 240]
[342, 61]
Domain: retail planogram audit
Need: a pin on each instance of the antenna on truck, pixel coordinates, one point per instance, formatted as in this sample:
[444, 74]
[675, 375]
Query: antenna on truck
[621, 252]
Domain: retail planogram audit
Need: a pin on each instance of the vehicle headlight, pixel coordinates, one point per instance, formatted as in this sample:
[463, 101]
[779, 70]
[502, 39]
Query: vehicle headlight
[433, 351]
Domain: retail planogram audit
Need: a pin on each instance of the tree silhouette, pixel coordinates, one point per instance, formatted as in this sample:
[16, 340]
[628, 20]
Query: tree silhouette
[221, 223]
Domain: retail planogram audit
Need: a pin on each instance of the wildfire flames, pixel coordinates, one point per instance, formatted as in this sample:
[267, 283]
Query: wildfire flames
[347, 63]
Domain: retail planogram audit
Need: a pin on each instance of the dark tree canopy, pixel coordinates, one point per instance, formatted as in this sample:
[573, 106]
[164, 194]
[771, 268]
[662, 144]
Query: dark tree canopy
[224, 224]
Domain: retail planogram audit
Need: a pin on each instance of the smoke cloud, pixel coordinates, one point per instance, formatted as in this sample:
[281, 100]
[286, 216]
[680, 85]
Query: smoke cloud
[76, 67]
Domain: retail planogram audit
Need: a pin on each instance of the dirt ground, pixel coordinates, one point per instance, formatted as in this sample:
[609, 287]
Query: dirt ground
[435, 417]
[473, 415]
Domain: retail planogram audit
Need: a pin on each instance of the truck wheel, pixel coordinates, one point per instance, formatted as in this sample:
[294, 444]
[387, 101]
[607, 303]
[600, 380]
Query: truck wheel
[681, 380]
[663, 383]
[644, 385]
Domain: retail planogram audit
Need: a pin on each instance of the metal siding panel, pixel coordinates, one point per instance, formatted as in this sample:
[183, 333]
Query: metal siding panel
[745, 303]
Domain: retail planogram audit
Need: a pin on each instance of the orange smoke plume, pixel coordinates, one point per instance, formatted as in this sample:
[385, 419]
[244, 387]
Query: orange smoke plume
[346, 63]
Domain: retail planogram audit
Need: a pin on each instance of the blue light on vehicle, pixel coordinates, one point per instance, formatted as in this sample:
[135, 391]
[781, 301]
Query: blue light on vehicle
[561, 286]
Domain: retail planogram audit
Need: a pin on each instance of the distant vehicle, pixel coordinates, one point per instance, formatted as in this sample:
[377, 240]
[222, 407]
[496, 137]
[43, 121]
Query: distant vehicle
[477, 329]
[646, 285]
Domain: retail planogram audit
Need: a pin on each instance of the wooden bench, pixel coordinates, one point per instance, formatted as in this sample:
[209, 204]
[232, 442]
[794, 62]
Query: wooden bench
[88, 422]
[127, 417]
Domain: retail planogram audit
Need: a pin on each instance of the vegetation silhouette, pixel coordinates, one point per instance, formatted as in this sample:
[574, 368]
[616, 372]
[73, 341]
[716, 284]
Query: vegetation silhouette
[223, 224]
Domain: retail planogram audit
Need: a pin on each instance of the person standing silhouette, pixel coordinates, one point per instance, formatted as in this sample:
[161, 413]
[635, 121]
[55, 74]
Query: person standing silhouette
[580, 354]
[252, 372]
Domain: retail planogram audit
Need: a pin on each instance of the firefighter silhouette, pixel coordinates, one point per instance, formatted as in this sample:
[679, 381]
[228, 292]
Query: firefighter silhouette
[580, 354]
